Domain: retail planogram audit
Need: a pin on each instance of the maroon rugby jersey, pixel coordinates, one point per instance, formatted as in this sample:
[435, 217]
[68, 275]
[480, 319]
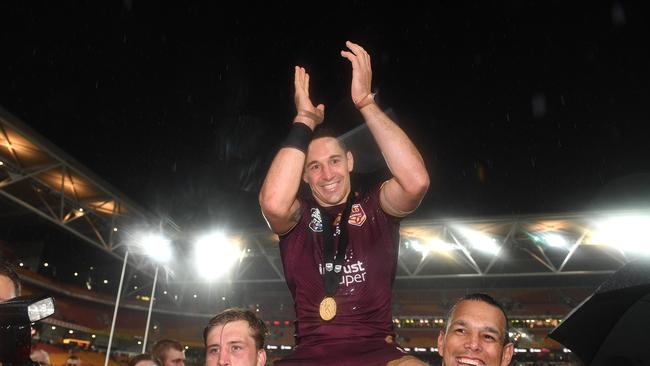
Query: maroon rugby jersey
[363, 320]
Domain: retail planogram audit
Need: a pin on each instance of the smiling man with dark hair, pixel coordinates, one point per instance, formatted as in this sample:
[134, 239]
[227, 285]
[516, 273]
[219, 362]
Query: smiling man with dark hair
[339, 246]
[476, 333]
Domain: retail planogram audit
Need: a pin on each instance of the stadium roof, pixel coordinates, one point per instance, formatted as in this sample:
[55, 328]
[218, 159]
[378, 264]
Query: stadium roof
[44, 180]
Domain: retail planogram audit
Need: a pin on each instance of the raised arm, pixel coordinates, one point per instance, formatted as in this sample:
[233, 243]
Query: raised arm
[278, 196]
[404, 191]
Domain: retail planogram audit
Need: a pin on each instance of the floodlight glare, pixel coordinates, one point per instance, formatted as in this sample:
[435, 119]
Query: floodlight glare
[479, 240]
[157, 247]
[554, 240]
[433, 245]
[215, 254]
[628, 233]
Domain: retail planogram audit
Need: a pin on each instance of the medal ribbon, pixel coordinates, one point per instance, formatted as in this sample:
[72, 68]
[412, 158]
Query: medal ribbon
[334, 261]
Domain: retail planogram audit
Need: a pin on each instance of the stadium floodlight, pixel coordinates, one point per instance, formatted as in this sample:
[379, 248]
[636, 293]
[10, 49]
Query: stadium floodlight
[157, 247]
[215, 254]
[479, 240]
[554, 240]
[627, 233]
[432, 245]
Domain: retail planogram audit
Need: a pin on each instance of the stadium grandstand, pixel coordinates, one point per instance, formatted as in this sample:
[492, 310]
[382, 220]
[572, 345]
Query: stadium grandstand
[70, 234]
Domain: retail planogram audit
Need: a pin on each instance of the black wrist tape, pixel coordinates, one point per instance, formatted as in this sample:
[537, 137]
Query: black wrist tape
[299, 137]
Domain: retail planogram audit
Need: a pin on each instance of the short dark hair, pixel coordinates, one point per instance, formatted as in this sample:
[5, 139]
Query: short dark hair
[321, 132]
[8, 271]
[73, 357]
[478, 296]
[141, 357]
[256, 325]
[159, 350]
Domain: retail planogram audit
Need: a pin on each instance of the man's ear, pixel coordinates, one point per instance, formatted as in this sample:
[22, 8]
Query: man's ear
[350, 160]
[441, 342]
[261, 357]
[506, 357]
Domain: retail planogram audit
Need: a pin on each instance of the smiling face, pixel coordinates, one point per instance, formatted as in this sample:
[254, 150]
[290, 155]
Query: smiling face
[233, 344]
[475, 336]
[327, 171]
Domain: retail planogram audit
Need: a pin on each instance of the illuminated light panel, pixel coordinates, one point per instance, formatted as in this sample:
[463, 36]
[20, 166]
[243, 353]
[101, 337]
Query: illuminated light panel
[627, 233]
[157, 247]
[479, 240]
[432, 245]
[554, 240]
[215, 254]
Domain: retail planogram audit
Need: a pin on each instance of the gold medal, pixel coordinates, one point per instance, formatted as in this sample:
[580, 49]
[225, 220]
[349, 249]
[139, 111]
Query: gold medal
[327, 308]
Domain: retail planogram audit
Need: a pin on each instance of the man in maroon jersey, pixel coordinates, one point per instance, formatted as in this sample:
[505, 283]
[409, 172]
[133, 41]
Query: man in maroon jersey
[341, 276]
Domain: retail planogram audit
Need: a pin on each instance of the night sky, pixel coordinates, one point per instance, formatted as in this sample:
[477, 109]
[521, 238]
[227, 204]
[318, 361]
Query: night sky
[517, 107]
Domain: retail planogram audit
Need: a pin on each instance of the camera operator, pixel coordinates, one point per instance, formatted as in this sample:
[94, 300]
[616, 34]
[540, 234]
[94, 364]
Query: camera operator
[15, 338]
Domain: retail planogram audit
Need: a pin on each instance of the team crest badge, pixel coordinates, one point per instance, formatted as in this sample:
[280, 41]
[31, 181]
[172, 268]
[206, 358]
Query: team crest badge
[357, 215]
[316, 223]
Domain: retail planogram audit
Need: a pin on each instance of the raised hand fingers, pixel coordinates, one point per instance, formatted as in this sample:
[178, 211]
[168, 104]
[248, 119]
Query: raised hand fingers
[361, 73]
[298, 76]
[352, 57]
[362, 56]
[358, 50]
[301, 80]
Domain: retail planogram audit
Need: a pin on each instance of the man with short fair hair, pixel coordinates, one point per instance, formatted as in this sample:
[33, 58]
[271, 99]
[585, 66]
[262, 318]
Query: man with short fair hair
[9, 282]
[476, 333]
[235, 337]
[168, 352]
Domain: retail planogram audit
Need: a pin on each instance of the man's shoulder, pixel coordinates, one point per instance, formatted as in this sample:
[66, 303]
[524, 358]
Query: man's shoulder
[369, 195]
